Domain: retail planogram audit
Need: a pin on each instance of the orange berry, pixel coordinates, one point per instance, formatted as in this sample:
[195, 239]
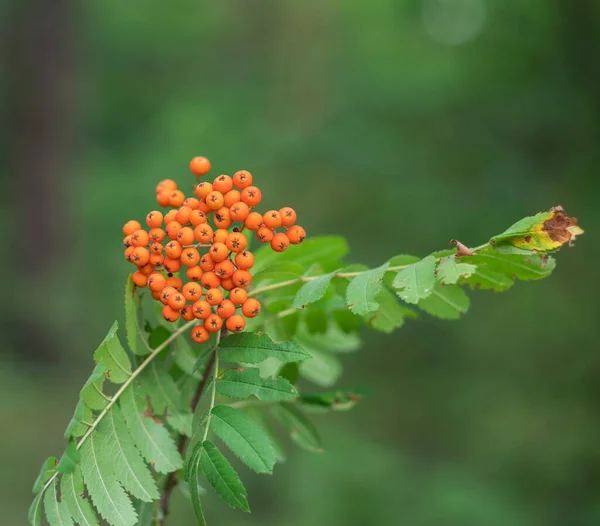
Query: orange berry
[185, 236]
[175, 283]
[210, 280]
[139, 279]
[156, 282]
[170, 216]
[232, 197]
[242, 179]
[226, 309]
[139, 256]
[219, 252]
[173, 249]
[251, 195]
[154, 219]
[170, 314]
[201, 309]
[130, 227]
[280, 242]
[244, 260]
[200, 334]
[236, 323]
[221, 235]
[190, 257]
[163, 198]
[203, 189]
[288, 216]
[156, 248]
[223, 184]
[166, 293]
[227, 284]
[206, 263]
[224, 269]
[215, 200]
[272, 219]
[238, 296]
[176, 301]
[223, 218]
[251, 308]
[236, 242]
[213, 323]
[203, 207]
[183, 215]
[253, 221]
[239, 211]
[127, 241]
[204, 234]
[176, 198]
[173, 229]
[200, 165]
[194, 273]
[157, 260]
[214, 296]
[156, 295]
[242, 278]
[191, 202]
[192, 291]
[147, 269]
[128, 252]
[166, 184]
[197, 217]
[140, 238]
[172, 265]
[264, 234]
[296, 234]
[157, 235]
[187, 313]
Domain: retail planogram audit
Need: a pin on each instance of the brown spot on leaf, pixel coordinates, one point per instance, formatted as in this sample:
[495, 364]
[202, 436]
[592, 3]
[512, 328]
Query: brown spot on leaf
[527, 239]
[560, 226]
[461, 250]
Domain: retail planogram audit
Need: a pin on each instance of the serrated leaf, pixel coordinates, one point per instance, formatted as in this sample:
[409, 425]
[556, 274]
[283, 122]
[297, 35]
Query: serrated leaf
[48, 469]
[301, 430]
[150, 437]
[106, 493]
[247, 441]
[242, 383]
[34, 516]
[193, 472]
[390, 314]
[221, 475]
[398, 261]
[70, 458]
[91, 393]
[131, 321]
[56, 512]
[483, 278]
[341, 400]
[165, 397]
[312, 291]
[257, 417]
[255, 348]
[515, 266]
[80, 420]
[334, 340]
[78, 506]
[416, 281]
[450, 271]
[113, 357]
[363, 290]
[129, 467]
[278, 272]
[323, 369]
[185, 358]
[448, 303]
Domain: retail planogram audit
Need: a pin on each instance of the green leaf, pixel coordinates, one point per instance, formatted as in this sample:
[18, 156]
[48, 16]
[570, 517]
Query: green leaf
[78, 426]
[519, 266]
[185, 358]
[242, 383]
[221, 475]
[416, 281]
[342, 400]
[151, 438]
[316, 319]
[70, 458]
[56, 512]
[312, 290]
[390, 314]
[165, 397]
[91, 393]
[108, 496]
[483, 278]
[448, 303]
[78, 506]
[323, 369]
[278, 272]
[129, 467]
[363, 290]
[257, 417]
[35, 511]
[113, 357]
[243, 437]
[398, 261]
[301, 430]
[157, 336]
[131, 320]
[254, 348]
[449, 271]
[48, 469]
[193, 472]
[346, 321]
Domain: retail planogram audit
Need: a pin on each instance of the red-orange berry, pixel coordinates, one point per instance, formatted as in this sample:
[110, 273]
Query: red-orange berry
[236, 323]
[206, 263]
[200, 165]
[139, 256]
[176, 301]
[251, 308]
[183, 215]
[221, 235]
[156, 282]
[140, 238]
[238, 296]
[264, 234]
[156, 248]
[223, 218]
[157, 260]
[192, 291]
[175, 283]
[194, 273]
[154, 219]
[227, 284]
[236, 242]
[197, 217]
[203, 207]
[219, 252]
[139, 279]
[203, 189]
[244, 260]
[204, 234]
[272, 219]
[130, 227]
[176, 198]
[127, 241]
[147, 269]
[190, 257]
[224, 269]
[231, 198]
[223, 184]
[170, 314]
[191, 202]
[214, 296]
[242, 179]
[187, 313]
[157, 235]
[288, 216]
[210, 280]
[128, 252]
[173, 249]
[166, 293]
[251, 195]
[185, 236]
[242, 278]
[280, 242]
[213, 323]
[156, 295]
[201, 309]
[200, 334]
[163, 198]
[239, 211]
[296, 234]
[226, 309]
[166, 184]
[173, 229]
[253, 221]
[215, 200]
[170, 216]
[172, 265]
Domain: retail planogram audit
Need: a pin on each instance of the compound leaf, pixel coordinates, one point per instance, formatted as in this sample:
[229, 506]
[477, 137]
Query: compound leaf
[56, 512]
[72, 496]
[113, 357]
[255, 348]
[242, 383]
[312, 291]
[91, 393]
[192, 474]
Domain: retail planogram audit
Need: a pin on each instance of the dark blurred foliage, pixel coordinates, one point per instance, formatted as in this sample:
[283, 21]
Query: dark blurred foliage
[398, 124]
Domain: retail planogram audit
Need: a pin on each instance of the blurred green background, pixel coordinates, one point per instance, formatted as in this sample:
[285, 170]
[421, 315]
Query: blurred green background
[398, 124]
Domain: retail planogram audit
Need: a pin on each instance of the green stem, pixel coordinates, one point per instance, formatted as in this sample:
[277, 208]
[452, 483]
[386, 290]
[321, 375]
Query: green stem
[213, 389]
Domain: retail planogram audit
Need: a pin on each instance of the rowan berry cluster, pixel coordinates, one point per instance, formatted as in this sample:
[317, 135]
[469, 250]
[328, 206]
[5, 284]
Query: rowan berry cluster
[199, 234]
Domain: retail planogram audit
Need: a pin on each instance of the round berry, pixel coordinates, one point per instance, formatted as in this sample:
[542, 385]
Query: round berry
[200, 334]
[139, 279]
[296, 234]
[201, 309]
[170, 314]
[251, 308]
[200, 165]
[213, 323]
[242, 179]
[272, 219]
[251, 195]
[236, 323]
[280, 242]
[130, 227]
